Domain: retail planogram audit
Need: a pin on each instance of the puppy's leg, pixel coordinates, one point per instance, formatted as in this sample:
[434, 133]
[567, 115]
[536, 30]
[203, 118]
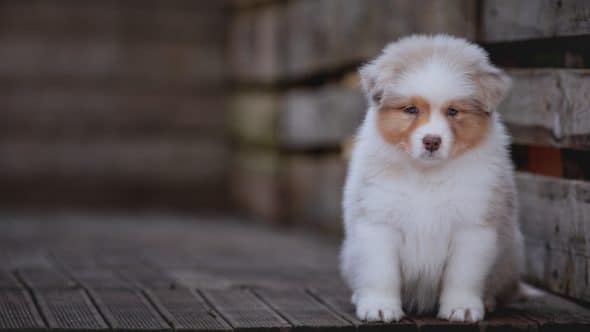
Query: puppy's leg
[373, 251]
[472, 255]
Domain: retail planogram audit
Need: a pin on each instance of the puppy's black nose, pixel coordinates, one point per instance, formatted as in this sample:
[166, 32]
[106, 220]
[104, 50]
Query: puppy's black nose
[431, 142]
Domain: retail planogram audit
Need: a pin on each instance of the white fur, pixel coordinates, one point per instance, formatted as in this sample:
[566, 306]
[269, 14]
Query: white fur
[417, 231]
[437, 80]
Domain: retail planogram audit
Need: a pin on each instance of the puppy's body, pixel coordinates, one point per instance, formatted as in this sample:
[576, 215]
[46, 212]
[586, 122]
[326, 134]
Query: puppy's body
[431, 227]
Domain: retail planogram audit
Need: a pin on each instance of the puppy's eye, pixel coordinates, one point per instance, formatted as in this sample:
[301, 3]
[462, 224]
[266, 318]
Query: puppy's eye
[452, 112]
[411, 110]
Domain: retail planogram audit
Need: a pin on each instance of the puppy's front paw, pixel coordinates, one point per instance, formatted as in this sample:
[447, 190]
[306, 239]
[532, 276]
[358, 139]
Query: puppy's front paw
[378, 308]
[467, 309]
[462, 314]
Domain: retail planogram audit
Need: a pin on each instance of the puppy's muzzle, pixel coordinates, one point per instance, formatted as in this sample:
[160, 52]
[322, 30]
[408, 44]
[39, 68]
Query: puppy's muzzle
[431, 142]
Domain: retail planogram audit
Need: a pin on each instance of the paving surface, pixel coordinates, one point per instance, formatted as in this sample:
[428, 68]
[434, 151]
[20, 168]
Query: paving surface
[161, 273]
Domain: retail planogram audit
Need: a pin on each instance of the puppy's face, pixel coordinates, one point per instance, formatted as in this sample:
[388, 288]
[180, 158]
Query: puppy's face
[431, 132]
[433, 96]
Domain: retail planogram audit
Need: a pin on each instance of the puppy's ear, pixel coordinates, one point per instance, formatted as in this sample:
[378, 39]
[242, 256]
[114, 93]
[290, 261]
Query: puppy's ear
[493, 85]
[368, 75]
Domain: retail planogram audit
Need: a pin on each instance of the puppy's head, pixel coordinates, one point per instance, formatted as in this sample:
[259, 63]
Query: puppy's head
[433, 95]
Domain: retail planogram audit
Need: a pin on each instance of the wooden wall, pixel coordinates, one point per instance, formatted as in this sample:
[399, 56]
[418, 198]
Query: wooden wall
[113, 104]
[297, 103]
[548, 115]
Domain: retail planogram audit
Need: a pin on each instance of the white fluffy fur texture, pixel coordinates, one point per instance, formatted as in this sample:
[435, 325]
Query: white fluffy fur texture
[423, 237]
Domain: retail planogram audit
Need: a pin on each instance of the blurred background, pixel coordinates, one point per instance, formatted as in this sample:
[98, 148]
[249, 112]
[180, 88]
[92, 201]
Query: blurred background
[114, 105]
[247, 107]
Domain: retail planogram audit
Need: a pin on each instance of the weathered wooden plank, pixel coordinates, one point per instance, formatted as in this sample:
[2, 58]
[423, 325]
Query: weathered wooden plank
[555, 212]
[312, 119]
[300, 119]
[243, 310]
[505, 20]
[101, 279]
[549, 107]
[163, 161]
[337, 299]
[114, 193]
[84, 113]
[254, 118]
[326, 29]
[45, 278]
[17, 311]
[312, 186]
[244, 4]
[117, 259]
[69, 310]
[128, 310]
[300, 39]
[187, 311]
[257, 171]
[552, 313]
[111, 20]
[302, 311]
[17, 258]
[432, 324]
[8, 280]
[554, 219]
[308, 48]
[504, 321]
[108, 59]
[267, 277]
[370, 25]
[255, 40]
[560, 271]
[194, 279]
[150, 279]
[454, 17]
[70, 259]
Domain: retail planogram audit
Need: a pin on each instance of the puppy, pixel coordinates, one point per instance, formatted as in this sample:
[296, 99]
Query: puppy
[429, 203]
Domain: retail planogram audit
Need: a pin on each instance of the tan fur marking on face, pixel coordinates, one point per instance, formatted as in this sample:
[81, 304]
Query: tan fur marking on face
[395, 125]
[470, 126]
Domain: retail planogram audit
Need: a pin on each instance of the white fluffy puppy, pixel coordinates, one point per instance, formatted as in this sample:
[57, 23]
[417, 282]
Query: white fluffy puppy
[430, 203]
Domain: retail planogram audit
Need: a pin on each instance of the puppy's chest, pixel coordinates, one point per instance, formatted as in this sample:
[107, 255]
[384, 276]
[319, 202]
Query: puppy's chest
[418, 205]
[426, 214]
